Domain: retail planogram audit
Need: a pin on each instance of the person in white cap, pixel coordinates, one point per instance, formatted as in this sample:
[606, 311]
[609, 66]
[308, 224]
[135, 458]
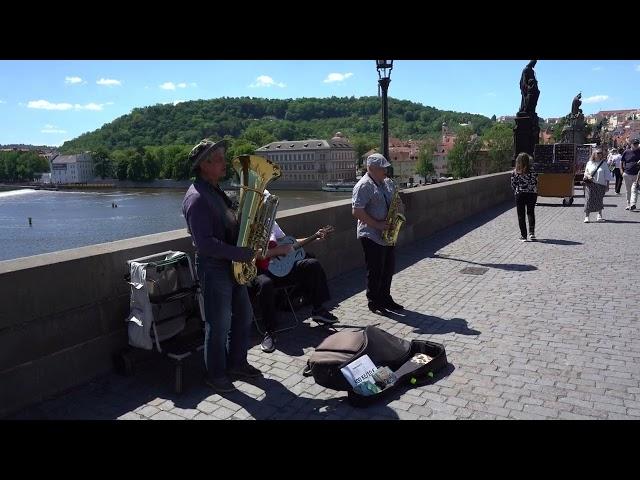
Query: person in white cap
[370, 205]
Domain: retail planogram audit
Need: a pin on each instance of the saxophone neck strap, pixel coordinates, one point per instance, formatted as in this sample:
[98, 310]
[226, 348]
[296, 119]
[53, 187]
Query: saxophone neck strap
[380, 186]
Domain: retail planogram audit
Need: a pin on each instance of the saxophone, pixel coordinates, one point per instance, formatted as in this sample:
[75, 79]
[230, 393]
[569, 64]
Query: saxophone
[256, 214]
[395, 220]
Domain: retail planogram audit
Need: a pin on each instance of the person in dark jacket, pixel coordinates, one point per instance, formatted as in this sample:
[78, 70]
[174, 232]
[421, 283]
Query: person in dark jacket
[524, 184]
[213, 225]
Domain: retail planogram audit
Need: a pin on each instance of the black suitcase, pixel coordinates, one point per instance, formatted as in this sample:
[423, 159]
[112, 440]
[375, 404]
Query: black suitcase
[408, 373]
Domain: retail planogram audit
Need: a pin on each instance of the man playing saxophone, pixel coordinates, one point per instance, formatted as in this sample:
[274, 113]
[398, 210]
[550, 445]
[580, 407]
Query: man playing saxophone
[371, 199]
[213, 225]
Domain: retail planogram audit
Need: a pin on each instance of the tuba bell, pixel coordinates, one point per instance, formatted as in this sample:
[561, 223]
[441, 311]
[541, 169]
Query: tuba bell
[256, 215]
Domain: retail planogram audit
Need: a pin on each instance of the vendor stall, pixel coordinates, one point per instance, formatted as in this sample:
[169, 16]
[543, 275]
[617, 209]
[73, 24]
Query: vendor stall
[556, 168]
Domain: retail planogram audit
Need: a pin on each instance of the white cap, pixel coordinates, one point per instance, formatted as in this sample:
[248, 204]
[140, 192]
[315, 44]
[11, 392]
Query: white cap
[377, 160]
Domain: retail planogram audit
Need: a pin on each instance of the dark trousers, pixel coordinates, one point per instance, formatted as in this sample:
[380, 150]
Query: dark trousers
[527, 200]
[618, 175]
[307, 274]
[227, 312]
[381, 264]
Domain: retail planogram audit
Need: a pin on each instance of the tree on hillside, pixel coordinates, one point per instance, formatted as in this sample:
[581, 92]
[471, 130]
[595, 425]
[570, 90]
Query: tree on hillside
[258, 136]
[557, 128]
[425, 167]
[121, 162]
[499, 141]
[101, 162]
[136, 170]
[464, 153]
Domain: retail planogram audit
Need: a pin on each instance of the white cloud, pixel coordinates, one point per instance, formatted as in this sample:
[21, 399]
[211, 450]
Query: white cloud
[173, 86]
[73, 80]
[90, 106]
[637, 68]
[266, 81]
[52, 129]
[596, 99]
[47, 105]
[337, 77]
[2, 101]
[109, 82]
[596, 69]
[193, 84]
[491, 94]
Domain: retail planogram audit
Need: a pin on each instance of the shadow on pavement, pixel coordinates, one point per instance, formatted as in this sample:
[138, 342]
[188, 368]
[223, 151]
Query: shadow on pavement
[428, 324]
[553, 241]
[517, 267]
[616, 221]
[279, 402]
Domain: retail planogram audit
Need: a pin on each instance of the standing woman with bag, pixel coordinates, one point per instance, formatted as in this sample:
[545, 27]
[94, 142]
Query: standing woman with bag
[596, 183]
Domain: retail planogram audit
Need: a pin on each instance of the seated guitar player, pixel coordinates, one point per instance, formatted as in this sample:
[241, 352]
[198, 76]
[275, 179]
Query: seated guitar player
[307, 274]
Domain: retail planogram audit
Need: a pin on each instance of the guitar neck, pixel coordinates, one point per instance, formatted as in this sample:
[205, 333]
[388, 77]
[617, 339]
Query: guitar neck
[306, 241]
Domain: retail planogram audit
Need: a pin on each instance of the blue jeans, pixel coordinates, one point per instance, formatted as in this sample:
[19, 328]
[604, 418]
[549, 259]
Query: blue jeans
[228, 314]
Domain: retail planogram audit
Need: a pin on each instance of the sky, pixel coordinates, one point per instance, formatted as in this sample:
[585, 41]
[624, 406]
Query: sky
[46, 102]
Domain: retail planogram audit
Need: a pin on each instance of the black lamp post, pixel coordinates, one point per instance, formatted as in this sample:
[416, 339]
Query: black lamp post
[384, 78]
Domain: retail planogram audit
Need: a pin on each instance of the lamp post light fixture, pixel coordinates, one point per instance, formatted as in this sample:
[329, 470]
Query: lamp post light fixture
[384, 78]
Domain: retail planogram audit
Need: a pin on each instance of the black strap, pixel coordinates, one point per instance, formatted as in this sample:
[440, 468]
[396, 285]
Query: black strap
[225, 197]
[594, 172]
[382, 190]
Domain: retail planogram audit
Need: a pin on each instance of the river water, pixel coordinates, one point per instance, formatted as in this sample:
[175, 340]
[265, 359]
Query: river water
[62, 220]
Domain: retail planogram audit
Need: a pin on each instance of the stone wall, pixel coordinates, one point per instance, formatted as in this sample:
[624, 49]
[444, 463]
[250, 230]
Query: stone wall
[62, 314]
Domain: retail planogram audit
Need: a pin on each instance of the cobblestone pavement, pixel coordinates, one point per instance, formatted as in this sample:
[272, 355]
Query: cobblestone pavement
[549, 331]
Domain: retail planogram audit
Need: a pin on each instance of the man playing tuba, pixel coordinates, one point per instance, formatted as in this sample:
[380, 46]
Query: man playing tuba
[371, 199]
[213, 225]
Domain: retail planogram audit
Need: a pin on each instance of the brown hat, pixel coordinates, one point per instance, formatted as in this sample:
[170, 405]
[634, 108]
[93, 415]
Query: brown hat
[203, 149]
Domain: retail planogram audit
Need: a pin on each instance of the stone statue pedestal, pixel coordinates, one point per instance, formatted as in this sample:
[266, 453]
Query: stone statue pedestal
[575, 131]
[573, 135]
[526, 133]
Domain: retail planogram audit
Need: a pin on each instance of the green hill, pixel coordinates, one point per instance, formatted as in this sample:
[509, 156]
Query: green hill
[257, 120]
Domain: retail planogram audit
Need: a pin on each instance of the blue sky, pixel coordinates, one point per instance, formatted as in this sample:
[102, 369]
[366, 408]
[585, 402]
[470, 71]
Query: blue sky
[50, 101]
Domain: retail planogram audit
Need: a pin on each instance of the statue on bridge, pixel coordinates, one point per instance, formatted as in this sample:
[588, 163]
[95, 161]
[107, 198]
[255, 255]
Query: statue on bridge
[575, 105]
[533, 93]
[528, 74]
[575, 131]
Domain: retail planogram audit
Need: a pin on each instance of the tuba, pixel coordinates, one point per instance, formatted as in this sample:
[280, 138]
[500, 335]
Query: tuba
[395, 220]
[256, 215]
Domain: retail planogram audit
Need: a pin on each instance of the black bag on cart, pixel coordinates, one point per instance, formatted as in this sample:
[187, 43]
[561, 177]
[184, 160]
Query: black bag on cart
[342, 348]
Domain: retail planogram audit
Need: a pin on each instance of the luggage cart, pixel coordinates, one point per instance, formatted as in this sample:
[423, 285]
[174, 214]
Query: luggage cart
[559, 185]
[557, 166]
[165, 312]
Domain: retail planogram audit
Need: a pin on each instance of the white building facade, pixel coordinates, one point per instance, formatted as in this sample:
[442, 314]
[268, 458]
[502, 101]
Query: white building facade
[72, 168]
[309, 164]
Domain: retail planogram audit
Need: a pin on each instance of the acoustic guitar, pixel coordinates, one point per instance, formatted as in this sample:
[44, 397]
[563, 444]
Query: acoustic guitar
[282, 265]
